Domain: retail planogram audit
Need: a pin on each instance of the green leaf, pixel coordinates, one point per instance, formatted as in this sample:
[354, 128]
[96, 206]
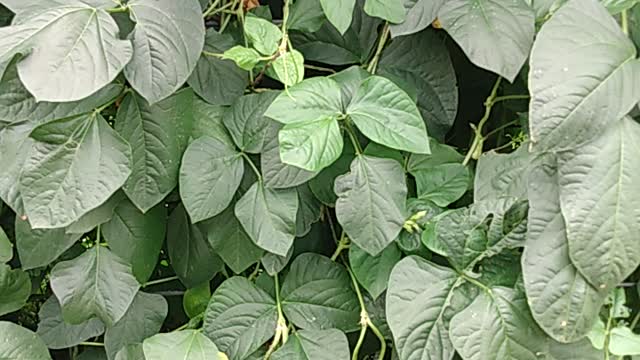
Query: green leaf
[421, 299]
[502, 175]
[136, 237]
[97, 216]
[57, 334]
[390, 10]
[245, 58]
[240, 318]
[422, 62]
[311, 145]
[309, 210]
[322, 185]
[192, 258]
[443, 184]
[185, 344]
[618, 6]
[229, 240]
[440, 154]
[87, 58]
[349, 81]
[314, 345]
[497, 325]
[387, 115]
[306, 15]
[163, 60]
[246, 122]
[75, 165]
[373, 271]
[310, 100]
[196, 299]
[15, 288]
[420, 14]
[40, 247]
[317, 295]
[131, 352]
[17, 342]
[371, 202]
[597, 183]
[262, 34]
[562, 302]
[84, 286]
[576, 90]
[582, 350]
[158, 135]
[288, 68]
[623, 341]
[143, 319]
[339, 13]
[478, 26]
[217, 80]
[277, 174]
[274, 264]
[6, 249]
[210, 174]
[269, 217]
[208, 121]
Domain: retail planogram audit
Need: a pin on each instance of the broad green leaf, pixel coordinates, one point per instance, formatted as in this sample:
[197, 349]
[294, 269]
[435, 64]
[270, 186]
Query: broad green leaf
[262, 34]
[240, 318]
[288, 68]
[421, 299]
[15, 288]
[387, 115]
[40, 247]
[136, 237]
[339, 13]
[216, 80]
[371, 202]
[185, 344]
[597, 183]
[310, 100]
[582, 350]
[97, 216]
[143, 319]
[480, 28]
[273, 263]
[502, 175]
[269, 217]
[373, 271]
[618, 6]
[443, 184]
[624, 342]
[311, 145]
[210, 174]
[229, 240]
[317, 295]
[422, 62]
[245, 58]
[349, 81]
[17, 342]
[277, 174]
[6, 249]
[420, 14]
[192, 258]
[76, 65]
[75, 165]
[131, 352]
[158, 135]
[381, 151]
[322, 185]
[314, 345]
[306, 15]
[246, 122]
[590, 87]
[163, 59]
[497, 325]
[84, 286]
[309, 210]
[57, 334]
[440, 154]
[196, 299]
[208, 121]
[562, 302]
[376, 309]
[390, 10]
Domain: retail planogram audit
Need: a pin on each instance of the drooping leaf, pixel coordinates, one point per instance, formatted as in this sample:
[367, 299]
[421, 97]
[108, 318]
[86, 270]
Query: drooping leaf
[75, 165]
[288, 68]
[373, 271]
[387, 115]
[311, 145]
[158, 135]
[502, 175]
[136, 237]
[58, 334]
[269, 217]
[40, 247]
[142, 320]
[443, 184]
[597, 183]
[185, 344]
[310, 100]
[246, 122]
[371, 202]
[163, 59]
[17, 342]
[314, 345]
[590, 87]
[84, 286]
[210, 174]
[262, 34]
[15, 288]
[420, 14]
[496, 35]
[240, 318]
[317, 295]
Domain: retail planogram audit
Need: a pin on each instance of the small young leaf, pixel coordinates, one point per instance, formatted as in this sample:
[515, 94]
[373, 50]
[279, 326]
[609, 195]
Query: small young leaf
[288, 68]
[263, 35]
[277, 174]
[245, 58]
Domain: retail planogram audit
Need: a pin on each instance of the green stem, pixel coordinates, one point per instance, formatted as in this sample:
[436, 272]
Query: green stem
[510, 97]
[98, 235]
[253, 166]
[216, 55]
[121, 9]
[228, 18]
[161, 281]
[373, 65]
[478, 138]
[635, 320]
[281, 326]
[89, 343]
[210, 10]
[365, 322]
[607, 337]
[319, 68]
[356, 349]
[502, 127]
[625, 22]
[343, 244]
[352, 137]
[285, 19]
[255, 272]
[476, 283]
[383, 341]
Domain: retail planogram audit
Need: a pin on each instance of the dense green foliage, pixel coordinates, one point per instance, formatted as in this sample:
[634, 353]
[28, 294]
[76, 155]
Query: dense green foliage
[319, 179]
